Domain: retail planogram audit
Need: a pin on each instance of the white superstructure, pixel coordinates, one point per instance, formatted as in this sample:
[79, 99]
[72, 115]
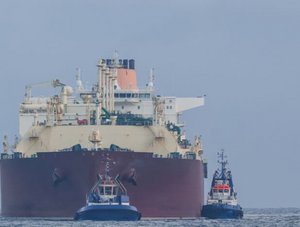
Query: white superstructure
[115, 107]
[222, 193]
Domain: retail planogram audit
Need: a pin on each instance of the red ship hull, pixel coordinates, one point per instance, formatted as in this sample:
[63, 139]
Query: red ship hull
[55, 184]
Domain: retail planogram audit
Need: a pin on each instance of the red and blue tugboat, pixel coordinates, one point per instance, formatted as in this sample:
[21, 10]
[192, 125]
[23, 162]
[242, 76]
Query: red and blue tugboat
[108, 201]
[222, 201]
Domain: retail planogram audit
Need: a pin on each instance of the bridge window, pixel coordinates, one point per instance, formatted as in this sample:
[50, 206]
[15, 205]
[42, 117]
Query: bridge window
[144, 95]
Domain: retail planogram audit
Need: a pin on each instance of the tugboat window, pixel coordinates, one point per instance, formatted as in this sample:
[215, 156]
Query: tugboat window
[115, 190]
[108, 190]
[101, 190]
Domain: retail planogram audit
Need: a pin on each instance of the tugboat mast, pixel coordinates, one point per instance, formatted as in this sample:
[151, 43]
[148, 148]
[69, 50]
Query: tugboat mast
[223, 163]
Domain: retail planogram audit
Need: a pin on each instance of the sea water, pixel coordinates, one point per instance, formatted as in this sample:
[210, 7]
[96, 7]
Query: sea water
[252, 217]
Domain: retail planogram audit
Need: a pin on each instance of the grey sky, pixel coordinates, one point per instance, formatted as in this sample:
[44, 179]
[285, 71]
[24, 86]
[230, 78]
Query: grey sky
[244, 55]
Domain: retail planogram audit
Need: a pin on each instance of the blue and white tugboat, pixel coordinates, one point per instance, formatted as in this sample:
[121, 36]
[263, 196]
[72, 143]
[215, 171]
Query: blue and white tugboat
[222, 201]
[108, 201]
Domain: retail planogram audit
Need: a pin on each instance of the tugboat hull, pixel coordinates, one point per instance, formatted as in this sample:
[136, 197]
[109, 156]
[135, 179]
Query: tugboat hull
[108, 213]
[222, 211]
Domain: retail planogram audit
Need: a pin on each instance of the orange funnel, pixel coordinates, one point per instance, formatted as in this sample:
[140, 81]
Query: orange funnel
[127, 79]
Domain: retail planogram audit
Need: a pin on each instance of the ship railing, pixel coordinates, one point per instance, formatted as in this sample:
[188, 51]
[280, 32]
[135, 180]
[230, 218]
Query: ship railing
[190, 155]
[177, 155]
[112, 148]
[158, 156]
[14, 155]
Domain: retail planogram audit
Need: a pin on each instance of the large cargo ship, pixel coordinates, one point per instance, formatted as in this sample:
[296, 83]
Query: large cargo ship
[134, 131]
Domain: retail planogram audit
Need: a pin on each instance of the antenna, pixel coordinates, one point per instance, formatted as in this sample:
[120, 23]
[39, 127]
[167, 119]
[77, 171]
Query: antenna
[79, 85]
[222, 161]
[116, 58]
[5, 144]
[16, 141]
[151, 79]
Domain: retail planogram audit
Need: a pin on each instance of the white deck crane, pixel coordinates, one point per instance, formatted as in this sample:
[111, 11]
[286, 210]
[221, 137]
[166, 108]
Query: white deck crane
[52, 83]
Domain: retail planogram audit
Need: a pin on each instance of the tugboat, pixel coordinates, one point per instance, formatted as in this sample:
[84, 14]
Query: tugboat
[108, 201]
[222, 201]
